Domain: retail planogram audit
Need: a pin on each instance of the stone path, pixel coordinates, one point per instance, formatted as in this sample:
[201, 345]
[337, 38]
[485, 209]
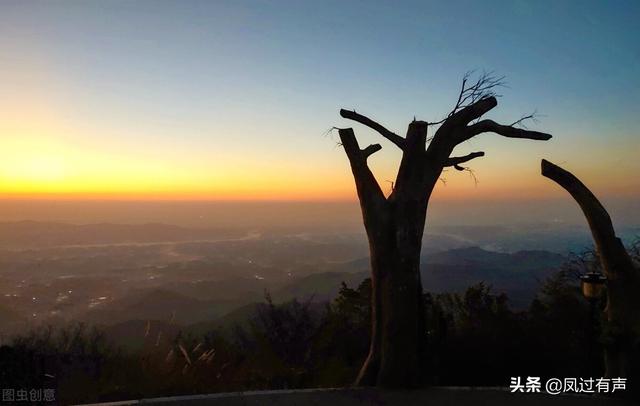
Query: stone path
[436, 396]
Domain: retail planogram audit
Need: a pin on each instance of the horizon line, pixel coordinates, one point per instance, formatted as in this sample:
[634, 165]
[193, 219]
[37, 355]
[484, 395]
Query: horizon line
[315, 199]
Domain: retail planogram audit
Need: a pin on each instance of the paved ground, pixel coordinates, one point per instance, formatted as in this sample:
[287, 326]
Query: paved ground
[437, 396]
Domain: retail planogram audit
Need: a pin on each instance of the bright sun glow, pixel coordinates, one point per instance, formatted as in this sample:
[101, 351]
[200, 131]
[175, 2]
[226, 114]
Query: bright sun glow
[37, 168]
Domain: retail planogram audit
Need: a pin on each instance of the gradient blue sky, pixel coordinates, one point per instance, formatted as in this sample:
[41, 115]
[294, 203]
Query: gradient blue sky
[218, 99]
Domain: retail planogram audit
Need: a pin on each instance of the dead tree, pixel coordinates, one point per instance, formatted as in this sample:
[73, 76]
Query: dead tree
[623, 280]
[395, 224]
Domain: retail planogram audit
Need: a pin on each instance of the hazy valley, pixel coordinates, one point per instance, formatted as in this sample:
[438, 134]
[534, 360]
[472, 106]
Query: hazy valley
[125, 276]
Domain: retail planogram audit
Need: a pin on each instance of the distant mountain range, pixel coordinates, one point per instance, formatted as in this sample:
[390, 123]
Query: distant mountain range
[33, 234]
[445, 271]
[154, 304]
[519, 275]
[554, 237]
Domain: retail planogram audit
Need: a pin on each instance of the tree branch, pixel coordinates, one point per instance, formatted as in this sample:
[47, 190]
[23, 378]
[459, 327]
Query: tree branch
[616, 260]
[591, 206]
[533, 116]
[482, 89]
[391, 136]
[371, 149]
[457, 160]
[476, 110]
[486, 126]
[367, 186]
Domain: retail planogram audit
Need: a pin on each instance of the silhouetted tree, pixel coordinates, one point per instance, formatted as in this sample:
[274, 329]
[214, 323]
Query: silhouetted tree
[623, 279]
[395, 224]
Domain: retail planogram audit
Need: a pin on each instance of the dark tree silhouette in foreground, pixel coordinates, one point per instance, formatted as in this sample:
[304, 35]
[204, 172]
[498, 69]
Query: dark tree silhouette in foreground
[623, 279]
[395, 224]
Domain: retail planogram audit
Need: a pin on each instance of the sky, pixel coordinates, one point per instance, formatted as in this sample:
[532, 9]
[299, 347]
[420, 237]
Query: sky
[232, 100]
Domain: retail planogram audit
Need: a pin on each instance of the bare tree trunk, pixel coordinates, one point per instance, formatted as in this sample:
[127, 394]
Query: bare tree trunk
[623, 280]
[394, 228]
[395, 225]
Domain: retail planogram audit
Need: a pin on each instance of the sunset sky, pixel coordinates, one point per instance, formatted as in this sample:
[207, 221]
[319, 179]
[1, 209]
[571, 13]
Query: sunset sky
[232, 100]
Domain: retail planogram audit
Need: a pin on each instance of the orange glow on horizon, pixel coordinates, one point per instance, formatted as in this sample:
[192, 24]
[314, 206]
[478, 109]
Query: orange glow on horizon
[77, 126]
[47, 158]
